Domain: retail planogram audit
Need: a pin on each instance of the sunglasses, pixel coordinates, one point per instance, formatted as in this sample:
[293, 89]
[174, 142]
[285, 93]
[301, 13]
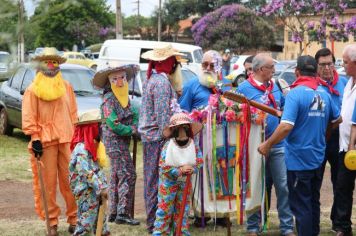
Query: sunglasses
[206, 64]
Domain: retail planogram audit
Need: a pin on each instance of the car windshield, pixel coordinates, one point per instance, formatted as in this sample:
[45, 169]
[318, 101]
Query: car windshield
[198, 56]
[4, 58]
[81, 80]
[289, 77]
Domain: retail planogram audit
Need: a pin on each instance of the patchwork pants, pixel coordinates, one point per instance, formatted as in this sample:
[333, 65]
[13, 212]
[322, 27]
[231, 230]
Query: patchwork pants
[122, 182]
[170, 197]
[151, 156]
[88, 208]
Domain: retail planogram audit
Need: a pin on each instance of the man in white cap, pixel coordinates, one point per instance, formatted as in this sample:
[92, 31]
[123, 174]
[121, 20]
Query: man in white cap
[158, 92]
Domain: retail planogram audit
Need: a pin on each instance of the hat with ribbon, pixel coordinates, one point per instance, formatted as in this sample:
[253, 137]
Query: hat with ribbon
[181, 119]
[161, 52]
[49, 53]
[101, 77]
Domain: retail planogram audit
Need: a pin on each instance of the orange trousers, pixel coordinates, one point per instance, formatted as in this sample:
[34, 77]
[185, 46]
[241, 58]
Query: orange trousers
[55, 161]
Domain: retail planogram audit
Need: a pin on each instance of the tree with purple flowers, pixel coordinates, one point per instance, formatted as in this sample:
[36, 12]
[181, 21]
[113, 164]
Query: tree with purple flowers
[295, 15]
[234, 27]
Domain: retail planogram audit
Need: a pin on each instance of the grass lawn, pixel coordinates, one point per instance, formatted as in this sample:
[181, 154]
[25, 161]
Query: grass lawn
[15, 166]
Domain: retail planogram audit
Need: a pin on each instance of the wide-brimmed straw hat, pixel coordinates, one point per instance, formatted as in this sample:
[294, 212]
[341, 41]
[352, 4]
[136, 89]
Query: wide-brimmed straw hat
[101, 77]
[49, 53]
[89, 116]
[181, 119]
[161, 52]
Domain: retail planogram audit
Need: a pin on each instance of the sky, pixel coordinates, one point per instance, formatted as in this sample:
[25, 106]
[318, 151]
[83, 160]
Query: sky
[128, 7]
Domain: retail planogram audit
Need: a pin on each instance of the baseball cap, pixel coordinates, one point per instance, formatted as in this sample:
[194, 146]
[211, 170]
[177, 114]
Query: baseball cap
[307, 64]
[227, 50]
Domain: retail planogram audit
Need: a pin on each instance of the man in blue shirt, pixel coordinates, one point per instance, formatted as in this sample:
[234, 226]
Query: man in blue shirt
[307, 112]
[197, 91]
[259, 87]
[334, 85]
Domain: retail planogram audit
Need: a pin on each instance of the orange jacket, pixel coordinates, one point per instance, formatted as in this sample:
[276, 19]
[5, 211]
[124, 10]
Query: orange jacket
[51, 122]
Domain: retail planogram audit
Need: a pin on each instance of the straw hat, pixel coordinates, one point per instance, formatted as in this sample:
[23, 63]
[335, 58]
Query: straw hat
[90, 116]
[181, 119]
[101, 77]
[49, 53]
[350, 160]
[161, 53]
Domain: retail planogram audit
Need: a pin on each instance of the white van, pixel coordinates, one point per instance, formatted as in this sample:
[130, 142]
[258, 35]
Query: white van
[129, 51]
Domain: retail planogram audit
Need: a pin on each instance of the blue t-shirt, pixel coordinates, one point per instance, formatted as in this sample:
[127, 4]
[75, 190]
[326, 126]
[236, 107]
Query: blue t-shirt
[339, 86]
[309, 111]
[353, 120]
[257, 95]
[194, 95]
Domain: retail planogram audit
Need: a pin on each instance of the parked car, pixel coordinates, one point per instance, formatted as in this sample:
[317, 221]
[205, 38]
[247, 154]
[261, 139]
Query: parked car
[11, 93]
[135, 86]
[80, 59]
[280, 66]
[6, 65]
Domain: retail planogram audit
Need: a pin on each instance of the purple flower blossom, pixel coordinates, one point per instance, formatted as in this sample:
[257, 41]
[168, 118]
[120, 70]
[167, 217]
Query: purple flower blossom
[296, 37]
[310, 25]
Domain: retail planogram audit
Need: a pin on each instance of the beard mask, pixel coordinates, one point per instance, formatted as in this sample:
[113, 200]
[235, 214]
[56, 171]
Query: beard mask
[121, 93]
[48, 88]
[176, 78]
[208, 79]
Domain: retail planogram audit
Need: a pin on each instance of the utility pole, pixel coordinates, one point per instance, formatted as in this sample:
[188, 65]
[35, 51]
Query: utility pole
[21, 43]
[138, 14]
[159, 21]
[118, 20]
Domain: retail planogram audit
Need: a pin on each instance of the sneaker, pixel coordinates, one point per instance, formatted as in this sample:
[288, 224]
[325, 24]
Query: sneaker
[125, 219]
[71, 228]
[112, 218]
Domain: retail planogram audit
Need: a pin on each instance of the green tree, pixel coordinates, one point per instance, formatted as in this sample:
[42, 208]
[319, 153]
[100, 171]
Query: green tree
[62, 23]
[134, 25]
[235, 27]
[8, 24]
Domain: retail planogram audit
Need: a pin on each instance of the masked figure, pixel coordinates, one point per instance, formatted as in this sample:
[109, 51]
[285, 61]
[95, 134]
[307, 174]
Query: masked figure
[180, 157]
[49, 111]
[121, 122]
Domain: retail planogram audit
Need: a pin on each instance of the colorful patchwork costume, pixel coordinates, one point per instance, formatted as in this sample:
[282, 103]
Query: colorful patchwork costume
[121, 122]
[172, 183]
[87, 181]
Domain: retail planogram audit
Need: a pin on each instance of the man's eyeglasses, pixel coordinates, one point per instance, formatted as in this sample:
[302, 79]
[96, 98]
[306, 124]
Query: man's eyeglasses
[206, 64]
[323, 65]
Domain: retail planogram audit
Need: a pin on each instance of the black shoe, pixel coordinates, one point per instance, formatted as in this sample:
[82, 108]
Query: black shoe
[197, 221]
[71, 228]
[112, 218]
[223, 222]
[125, 219]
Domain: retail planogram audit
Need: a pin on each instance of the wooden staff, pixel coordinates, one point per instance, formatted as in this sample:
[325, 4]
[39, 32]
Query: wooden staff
[182, 206]
[134, 154]
[100, 222]
[44, 198]
[242, 99]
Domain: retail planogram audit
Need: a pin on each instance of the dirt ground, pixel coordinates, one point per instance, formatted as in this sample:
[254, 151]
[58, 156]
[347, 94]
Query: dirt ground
[16, 199]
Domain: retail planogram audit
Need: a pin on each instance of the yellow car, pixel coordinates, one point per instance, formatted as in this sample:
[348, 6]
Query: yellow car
[79, 58]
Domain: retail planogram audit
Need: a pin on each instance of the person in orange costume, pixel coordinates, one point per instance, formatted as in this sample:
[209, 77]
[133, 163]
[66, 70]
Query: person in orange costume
[49, 111]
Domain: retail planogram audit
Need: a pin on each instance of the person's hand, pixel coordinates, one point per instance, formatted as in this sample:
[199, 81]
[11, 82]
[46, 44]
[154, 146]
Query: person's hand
[264, 148]
[187, 169]
[104, 194]
[37, 149]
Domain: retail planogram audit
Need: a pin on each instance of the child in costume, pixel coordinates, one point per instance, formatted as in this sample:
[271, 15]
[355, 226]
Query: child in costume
[120, 124]
[180, 157]
[87, 181]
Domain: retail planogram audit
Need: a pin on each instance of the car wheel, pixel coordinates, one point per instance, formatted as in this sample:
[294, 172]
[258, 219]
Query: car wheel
[94, 67]
[238, 80]
[5, 128]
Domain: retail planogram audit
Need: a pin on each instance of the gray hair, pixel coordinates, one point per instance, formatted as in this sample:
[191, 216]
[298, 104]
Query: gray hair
[259, 60]
[350, 51]
[216, 59]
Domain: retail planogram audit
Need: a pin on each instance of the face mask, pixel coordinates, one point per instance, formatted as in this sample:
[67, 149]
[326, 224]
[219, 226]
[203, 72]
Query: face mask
[48, 88]
[121, 93]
